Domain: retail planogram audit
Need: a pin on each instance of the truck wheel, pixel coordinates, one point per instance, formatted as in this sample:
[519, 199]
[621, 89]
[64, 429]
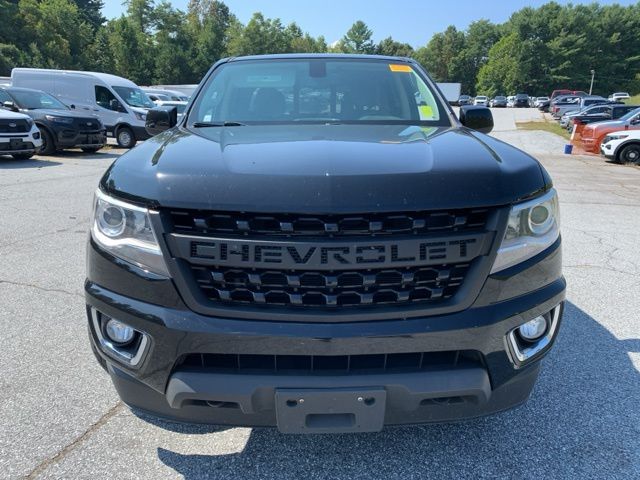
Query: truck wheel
[22, 156]
[90, 149]
[630, 154]
[125, 137]
[48, 147]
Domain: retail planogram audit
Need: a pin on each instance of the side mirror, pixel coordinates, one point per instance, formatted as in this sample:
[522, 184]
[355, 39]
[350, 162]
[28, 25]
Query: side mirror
[10, 106]
[116, 106]
[72, 106]
[160, 119]
[476, 118]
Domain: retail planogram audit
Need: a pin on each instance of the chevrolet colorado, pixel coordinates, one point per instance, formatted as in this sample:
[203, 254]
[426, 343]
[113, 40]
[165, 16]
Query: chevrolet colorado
[320, 244]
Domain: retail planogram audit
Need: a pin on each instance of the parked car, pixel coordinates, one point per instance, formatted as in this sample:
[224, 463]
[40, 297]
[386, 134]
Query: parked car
[594, 133]
[60, 127]
[521, 101]
[157, 97]
[19, 135]
[498, 102]
[465, 100]
[540, 100]
[578, 93]
[618, 96]
[543, 103]
[166, 95]
[563, 104]
[511, 99]
[244, 269]
[180, 106]
[599, 113]
[481, 100]
[622, 146]
[119, 103]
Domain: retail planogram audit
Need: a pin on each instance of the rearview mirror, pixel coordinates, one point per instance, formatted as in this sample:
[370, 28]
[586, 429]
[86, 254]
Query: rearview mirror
[160, 119]
[477, 118]
[10, 106]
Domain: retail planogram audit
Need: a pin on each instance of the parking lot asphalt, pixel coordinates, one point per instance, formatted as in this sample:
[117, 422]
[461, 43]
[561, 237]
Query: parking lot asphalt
[61, 418]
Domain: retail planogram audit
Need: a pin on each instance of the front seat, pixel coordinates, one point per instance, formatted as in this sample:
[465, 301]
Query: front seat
[268, 104]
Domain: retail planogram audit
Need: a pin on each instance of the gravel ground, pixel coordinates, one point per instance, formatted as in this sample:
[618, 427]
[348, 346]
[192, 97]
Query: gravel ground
[60, 417]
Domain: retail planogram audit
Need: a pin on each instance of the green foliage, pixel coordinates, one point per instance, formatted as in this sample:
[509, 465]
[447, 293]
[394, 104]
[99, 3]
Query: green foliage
[390, 47]
[357, 40]
[535, 51]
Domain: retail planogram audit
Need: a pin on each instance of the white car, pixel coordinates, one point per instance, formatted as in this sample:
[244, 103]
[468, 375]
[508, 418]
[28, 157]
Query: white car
[616, 97]
[180, 106]
[19, 136]
[511, 101]
[481, 100]
[622, 146]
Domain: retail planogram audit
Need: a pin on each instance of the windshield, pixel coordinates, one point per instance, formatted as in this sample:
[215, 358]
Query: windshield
[317, 91]
[630, 115]
[134, 97]
[36, 100]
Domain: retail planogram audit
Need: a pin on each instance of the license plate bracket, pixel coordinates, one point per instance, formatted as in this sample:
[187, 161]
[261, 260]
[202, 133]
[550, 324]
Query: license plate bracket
[330, 410]
[16, 143]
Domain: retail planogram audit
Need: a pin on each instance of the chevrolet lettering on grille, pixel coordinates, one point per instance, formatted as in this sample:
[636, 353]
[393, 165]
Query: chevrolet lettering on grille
[329, 255]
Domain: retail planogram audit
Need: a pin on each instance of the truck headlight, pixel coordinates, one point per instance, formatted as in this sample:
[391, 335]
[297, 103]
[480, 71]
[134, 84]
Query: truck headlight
[140, 116]
[55, 119]
[533, 227]
[125, 231]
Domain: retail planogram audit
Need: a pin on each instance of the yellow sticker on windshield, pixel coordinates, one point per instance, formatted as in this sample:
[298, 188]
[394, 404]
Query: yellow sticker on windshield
[426, 112]
[394, 67]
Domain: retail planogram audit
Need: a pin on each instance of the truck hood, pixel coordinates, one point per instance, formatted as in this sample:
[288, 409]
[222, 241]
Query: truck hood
[324, 169]
[41, 112]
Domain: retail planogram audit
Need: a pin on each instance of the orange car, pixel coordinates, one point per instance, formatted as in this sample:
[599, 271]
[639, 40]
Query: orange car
[594, 133]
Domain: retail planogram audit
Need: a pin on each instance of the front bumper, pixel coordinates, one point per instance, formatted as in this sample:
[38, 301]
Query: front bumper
[161, 383]
[70, 138]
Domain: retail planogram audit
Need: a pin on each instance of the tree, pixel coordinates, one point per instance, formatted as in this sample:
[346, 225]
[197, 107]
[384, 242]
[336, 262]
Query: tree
[260, 36]
[501, 74]
[390, 47]
[91, 10]
[443, 57]
[357, 39]
[208, 23]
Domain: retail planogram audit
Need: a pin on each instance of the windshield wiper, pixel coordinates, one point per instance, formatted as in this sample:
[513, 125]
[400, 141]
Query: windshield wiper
[227, 123]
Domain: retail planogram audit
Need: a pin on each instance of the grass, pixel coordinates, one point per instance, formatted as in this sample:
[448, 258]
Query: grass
[545, 126]
[635, 100]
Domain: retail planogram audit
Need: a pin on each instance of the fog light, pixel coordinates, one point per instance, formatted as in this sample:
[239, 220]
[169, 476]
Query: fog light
[118, 332]
[533, 329]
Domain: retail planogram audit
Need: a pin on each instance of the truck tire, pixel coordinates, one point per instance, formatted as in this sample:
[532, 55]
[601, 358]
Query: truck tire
[630, 154]
[90, 149]
[22, 156]
[125, 137]
[48, 146]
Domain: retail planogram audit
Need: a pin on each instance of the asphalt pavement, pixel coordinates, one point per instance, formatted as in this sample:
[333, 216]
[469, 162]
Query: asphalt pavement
[61, 418]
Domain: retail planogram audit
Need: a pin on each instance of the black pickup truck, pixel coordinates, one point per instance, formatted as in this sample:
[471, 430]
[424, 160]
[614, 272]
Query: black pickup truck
[320, 244]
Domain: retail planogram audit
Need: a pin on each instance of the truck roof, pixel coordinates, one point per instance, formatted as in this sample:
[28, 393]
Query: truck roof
[333, 56]
[112, 80]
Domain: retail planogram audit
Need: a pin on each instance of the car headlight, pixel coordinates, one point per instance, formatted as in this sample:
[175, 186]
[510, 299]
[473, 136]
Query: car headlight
[608, 138]
[141, 116]
[54, 119]
[125, 231]
[533, 227]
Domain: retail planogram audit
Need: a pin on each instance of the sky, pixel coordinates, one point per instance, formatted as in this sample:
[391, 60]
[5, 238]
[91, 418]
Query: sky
[410, 21]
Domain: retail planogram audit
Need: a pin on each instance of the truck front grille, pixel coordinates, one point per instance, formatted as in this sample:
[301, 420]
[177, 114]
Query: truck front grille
[331, 288]
[14, 126]
[329, 364]
[402, 262]
[221, 223]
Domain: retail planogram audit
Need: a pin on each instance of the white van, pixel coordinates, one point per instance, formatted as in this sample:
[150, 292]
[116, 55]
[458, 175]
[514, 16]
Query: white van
[119, 103]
